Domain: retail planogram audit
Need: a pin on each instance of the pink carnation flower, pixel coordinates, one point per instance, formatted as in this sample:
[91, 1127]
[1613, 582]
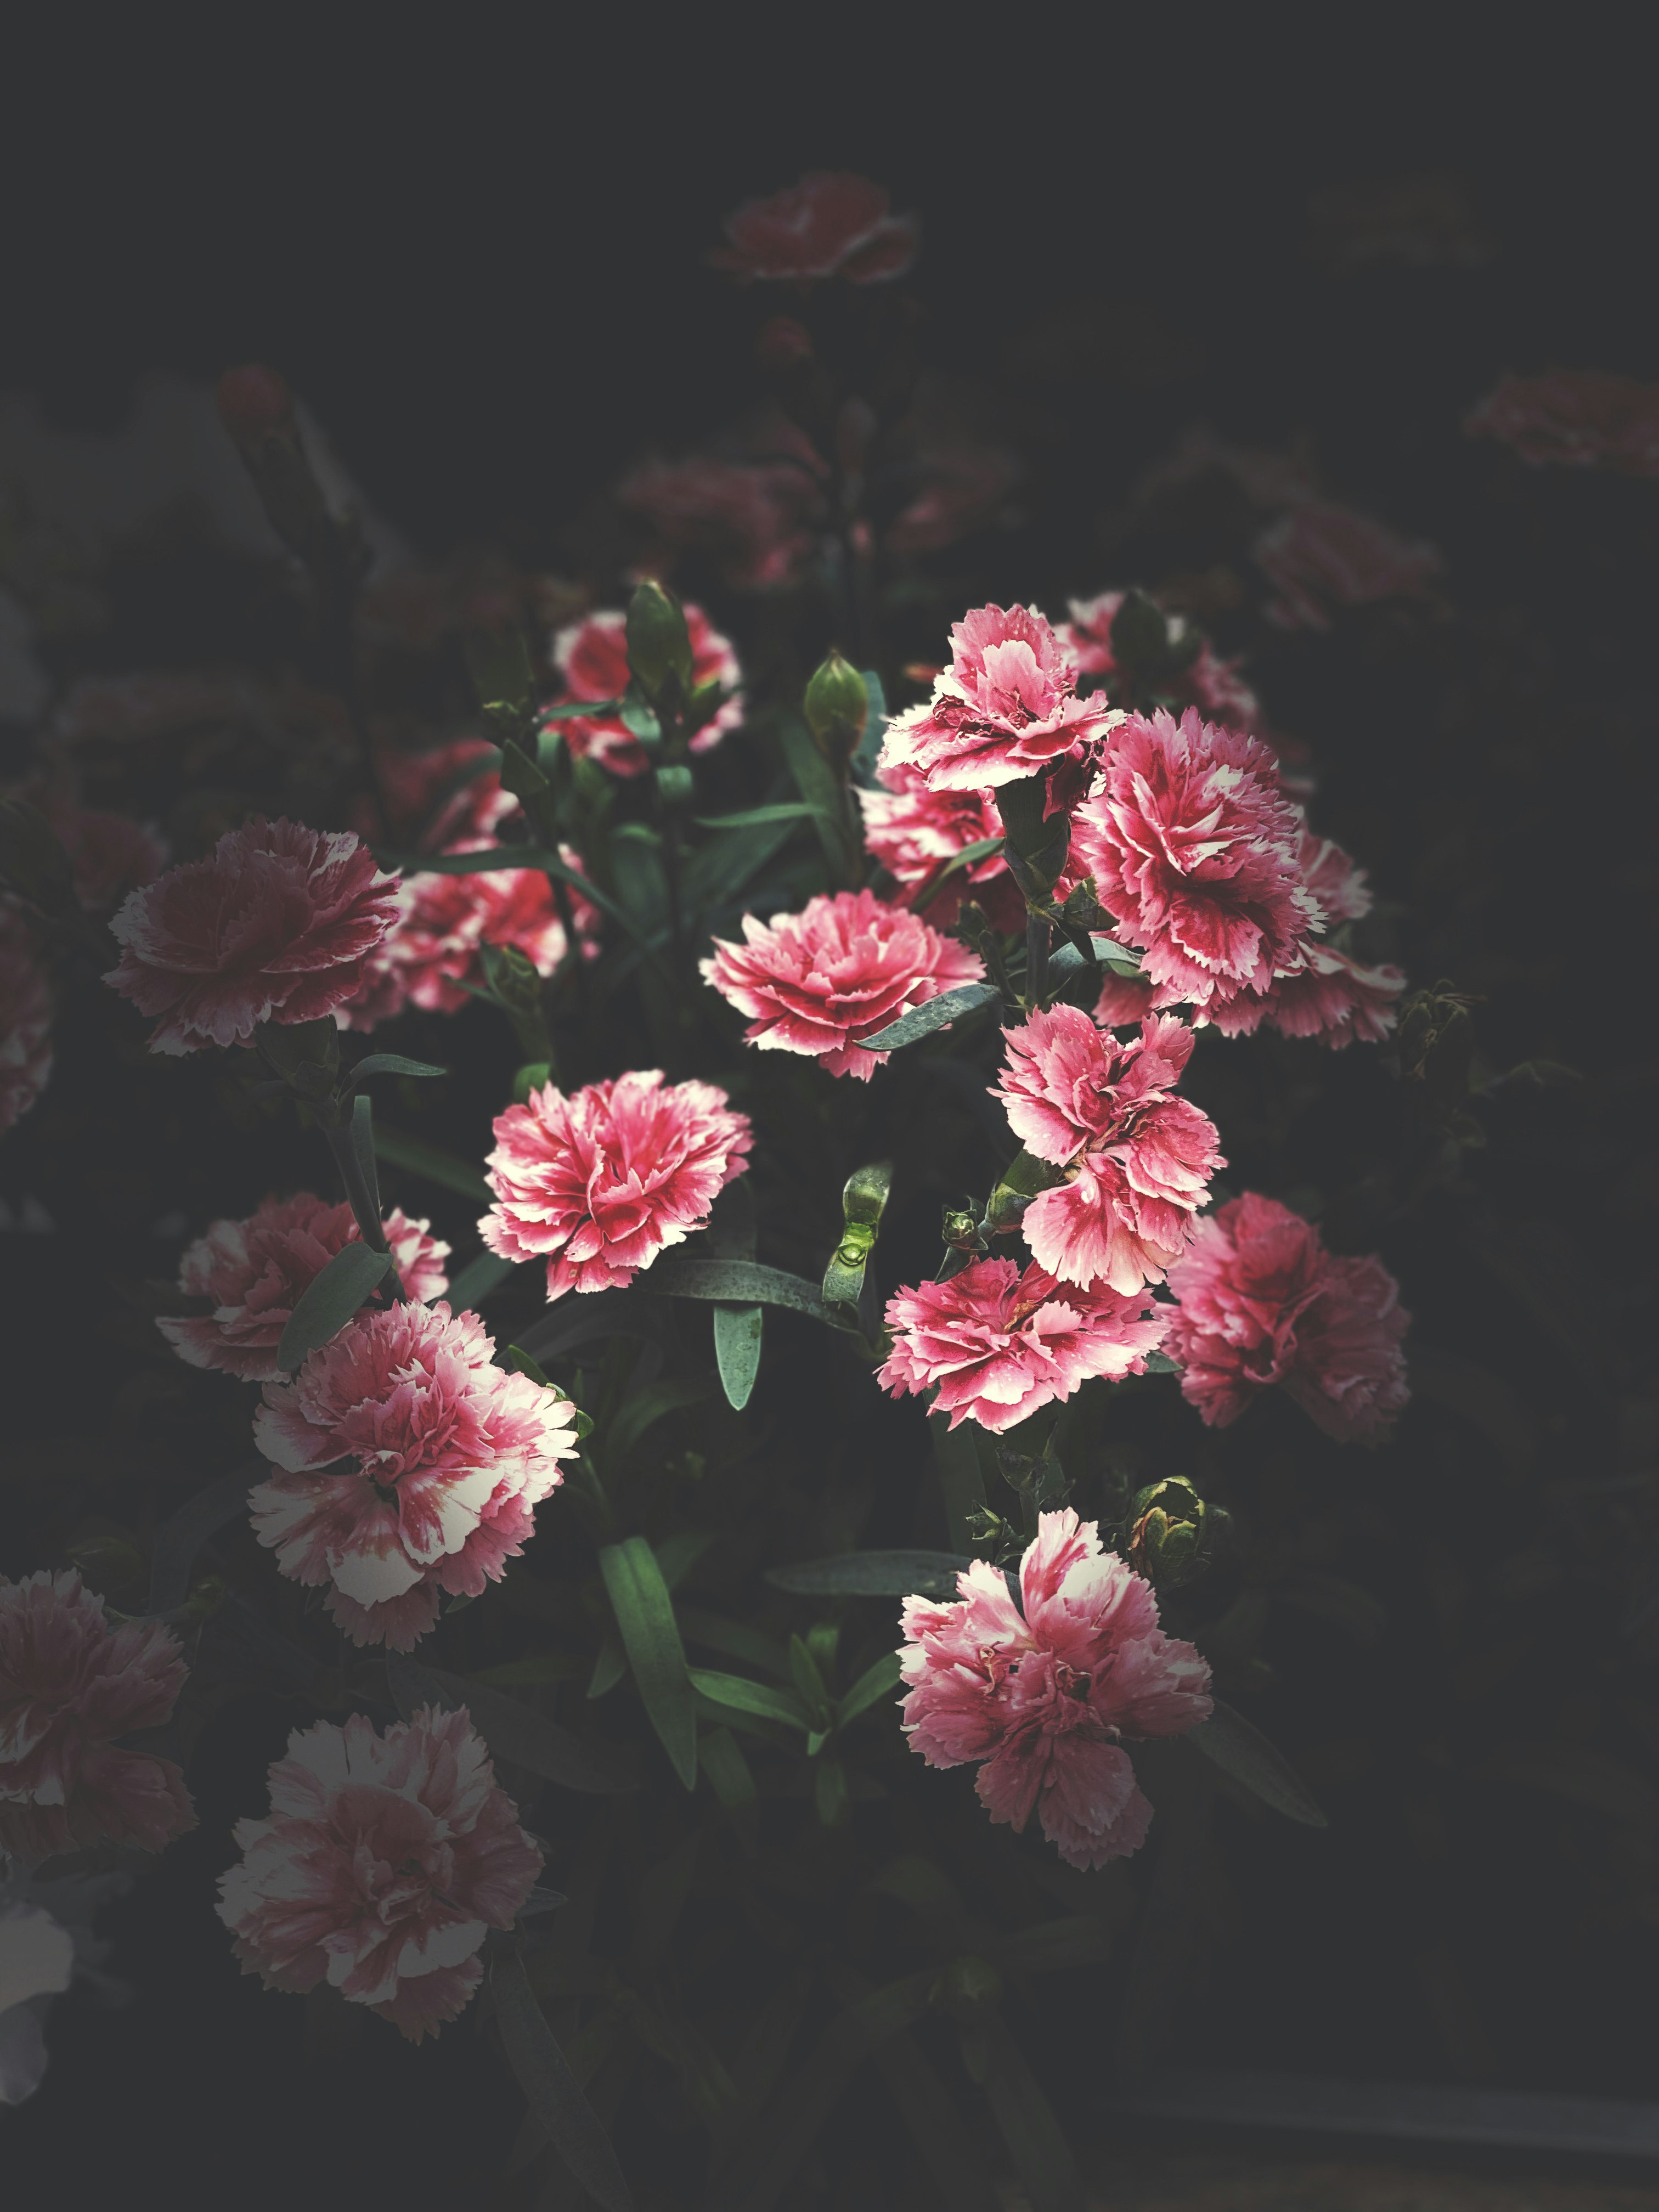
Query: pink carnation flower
[1262, 1302]
[446, 1454]
[1006, 709]
[831, 224]
[1212, 685]
[1582, 417]
[840, 970]
[384, 1861]
[257, 1271]
[71, 1682]
[912, 830]
[1194, 848]
[1318, 557]
[1137, 1162]
[443, 793]
[1041, 1694]
[998, 1344]
[26, 1010]
[1335, 999]
[593, 658]
[277, 924]
[601, 1182]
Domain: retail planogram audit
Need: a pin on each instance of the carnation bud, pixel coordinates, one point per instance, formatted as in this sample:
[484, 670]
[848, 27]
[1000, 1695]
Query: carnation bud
[783, 344]
[1022, 1180]
[1173, 1533]
[675, 785]
[960, 1229]
[33, 861]
[255, 402]
[837, 706]
[658, 642]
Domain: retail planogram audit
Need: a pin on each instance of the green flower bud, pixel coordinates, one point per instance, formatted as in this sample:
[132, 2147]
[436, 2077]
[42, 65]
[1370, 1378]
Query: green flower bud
[658, 642]
[1172, 1532]
[960, 1229]
[837, 708]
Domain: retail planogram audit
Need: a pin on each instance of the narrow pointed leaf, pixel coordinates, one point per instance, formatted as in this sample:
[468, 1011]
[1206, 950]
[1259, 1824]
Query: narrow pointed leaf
[543, 2072]
[759, 818]
[873, 1574]
[394, 1063]
[736, 1282]
[1243, 1751]
[328, 1303]
[922, 1021]
[1025, 2121]
[362, 1144]
[610, 1665]
[738, 1332]
[744, 1696]
[650, 1636]
[571, 710]
[876, 1681]
[513, 1731]
[640, 1413]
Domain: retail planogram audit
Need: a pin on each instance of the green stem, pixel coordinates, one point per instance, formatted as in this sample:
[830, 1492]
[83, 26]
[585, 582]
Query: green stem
[1037, 958]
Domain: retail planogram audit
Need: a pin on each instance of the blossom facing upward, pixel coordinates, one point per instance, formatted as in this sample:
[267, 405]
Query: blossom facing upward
[1261, 1302]
[257, 1271]
[841, 969]
[383, 1862]
[1194, 848]
[599, 1182]
[592, 657]
[1042, 1694]
[1137, 1161]
[26, 1010]
[277, 924]
[1319, 555]
[1581, 418]
[71, 1682]
[405, 1465]
[1214, 686]
[1006, 707]
[998, 1343]
[832, 223]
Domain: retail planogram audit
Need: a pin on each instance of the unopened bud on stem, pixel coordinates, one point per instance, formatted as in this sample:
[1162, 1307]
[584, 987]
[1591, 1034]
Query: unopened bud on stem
[658, 642]
[837, 708]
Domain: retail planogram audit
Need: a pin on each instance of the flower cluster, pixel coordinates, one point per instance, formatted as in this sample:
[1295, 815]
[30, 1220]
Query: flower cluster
[591, 656]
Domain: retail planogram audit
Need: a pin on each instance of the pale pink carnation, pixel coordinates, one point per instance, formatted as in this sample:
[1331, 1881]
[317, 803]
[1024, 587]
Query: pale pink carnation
[383, 1863]
[1042, 1694]
[257, 1271]
[591, 656]
[1318, 557]
[1007, 707]
[1194, 851]
[841, 969]
[277, 924]
[998, 1343]
[1137, 1161]
[1214, 686]
[1261, 1302]
[912, 830]
[832, 223]
[71, 1683]
[26, 1011]
[601, 1182]
[1584, 418]
[444, 1456]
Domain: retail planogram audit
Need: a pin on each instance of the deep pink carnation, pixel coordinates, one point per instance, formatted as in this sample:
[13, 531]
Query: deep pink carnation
[591, 656]
[840, 969]
[1262, 1302]
[257, 1271]
[601, 1182]
[447, 1454]
[1338, 885]
[71, 1683]
[1583, 417]
[1041, 1694]
[912, 831]
[1335, 999]
[1194, 850]
[383, 1862]
[831, 224]
[999, 1344]
[277, 924]
[1006, 709]
[26, 1010]
[1212, 685]
[1318, 557]
[1137, 1161]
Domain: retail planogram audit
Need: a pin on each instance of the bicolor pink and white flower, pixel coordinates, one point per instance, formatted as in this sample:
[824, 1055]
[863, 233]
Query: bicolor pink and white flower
[599, 1182]
[1319, 556]
[832, 223]
[443, 793]
[913, 831]
[1042, 1695]
[1137, 1161]
[278, 924]
[26, 1013]
[591, 656]
[1006, 709]
[405, 1466]
[1261, 1302]
[256, 1271]
[1583, 418]
[72, 1682]
[383, 1863]
[1337, 998]
[997, 1343]
[1214, 686]
[841, 969]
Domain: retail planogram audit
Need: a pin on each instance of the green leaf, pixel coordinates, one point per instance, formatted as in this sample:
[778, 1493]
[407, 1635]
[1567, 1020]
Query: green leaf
[639, 1413]
[572, 710]
[970, 855]
[519, 1360]
[417, 1157]
[736, 1639]
[176, 1543]
[732, 1782]
[1243, 1751]
[829, 1799]
[513, 1731]
[474, 1282]
[758, 818]
[719, 870]
[962, 1479]
[873, 1574]
[328, 1303]
[875, 729]
[1159, 1362]
[809, 1684]
[677, 1555]
[644, 1616]
[1025, 2120]
[610, 1665]
[935, 1014]
[735, 1282]
[819, 785]
[543, 2072]
[738, 1332]
[744, 1696]
[875, 1682]
[362, 1144]
[535, 1671]
[394, 1063]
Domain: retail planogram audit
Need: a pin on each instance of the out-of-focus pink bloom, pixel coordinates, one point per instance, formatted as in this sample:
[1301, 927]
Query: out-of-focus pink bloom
[964, 488]
[1335, 999]
[448, 1454]
[1320, 555]
[831, 224]
[279, 923]
[601, 1182]
[998, 1343]
[1042, 1694]
[1008, 707]
[110, 853]
[384, 1860]
[841, 969]
[1334, 879]
[1261, 1302]
[444, 792]
[257, 1271]
[26, 1010]
[435, 948]
[126, 710]
[1137, 1161]
[913, 831]
[1194, 850]
[1584, 418]
[1214, 686]
[591, 656]
[71, 1682]
[753, 515]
